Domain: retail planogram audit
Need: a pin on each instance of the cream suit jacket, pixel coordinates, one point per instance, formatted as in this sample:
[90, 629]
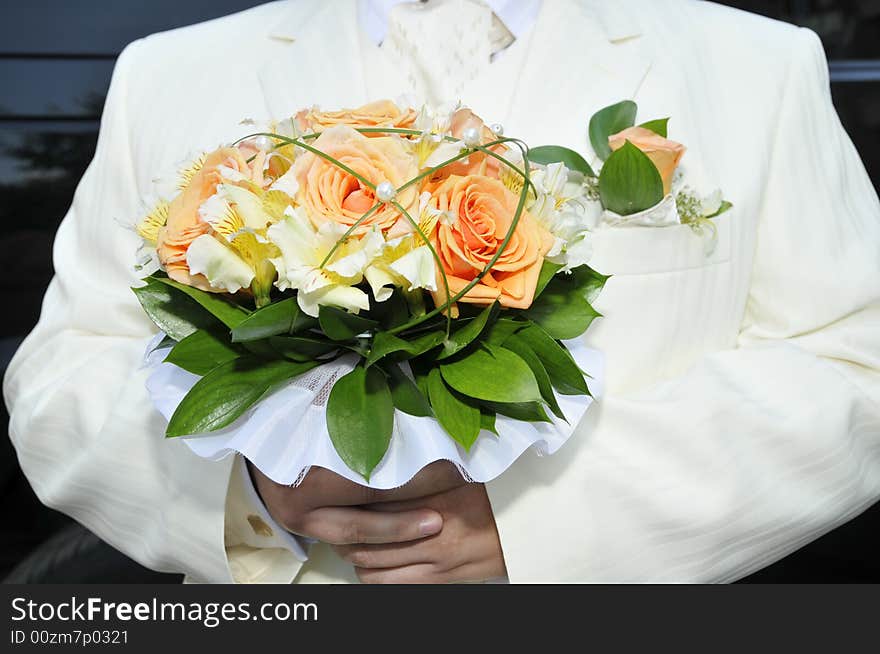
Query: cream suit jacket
[741, 418]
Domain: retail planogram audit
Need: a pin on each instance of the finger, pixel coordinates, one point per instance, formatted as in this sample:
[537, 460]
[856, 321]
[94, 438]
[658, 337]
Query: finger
[347, 526]
[421, 573]
[428, 573]
[391, 555]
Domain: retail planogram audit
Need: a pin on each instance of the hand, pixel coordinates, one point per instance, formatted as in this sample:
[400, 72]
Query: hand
[466, 549]
[326, 506]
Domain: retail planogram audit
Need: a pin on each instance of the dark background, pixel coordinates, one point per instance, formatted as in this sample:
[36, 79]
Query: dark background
[56, 57]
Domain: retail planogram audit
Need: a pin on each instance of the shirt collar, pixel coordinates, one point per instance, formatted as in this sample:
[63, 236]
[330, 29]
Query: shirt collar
[517, 15]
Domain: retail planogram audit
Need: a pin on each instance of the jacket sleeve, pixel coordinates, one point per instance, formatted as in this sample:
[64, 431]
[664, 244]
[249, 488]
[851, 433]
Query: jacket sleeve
[755, 451]
[86, 434]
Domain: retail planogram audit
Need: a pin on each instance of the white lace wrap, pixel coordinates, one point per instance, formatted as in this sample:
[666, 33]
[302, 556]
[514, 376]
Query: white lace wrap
[286, 433]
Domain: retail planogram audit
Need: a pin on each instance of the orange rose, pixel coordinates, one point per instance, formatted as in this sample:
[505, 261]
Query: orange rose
[665, 154]
[382, 113]
[482, 210]
[184, 225]
[330, 193]
[477, 163]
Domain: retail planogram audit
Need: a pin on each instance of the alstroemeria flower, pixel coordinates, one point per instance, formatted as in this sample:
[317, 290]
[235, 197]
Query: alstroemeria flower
[403, 264]
[564, 208]
[235, 254]
[213, 258]
[303, 248]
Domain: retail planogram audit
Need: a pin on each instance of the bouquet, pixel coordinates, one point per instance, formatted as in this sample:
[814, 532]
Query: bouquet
[437, 267]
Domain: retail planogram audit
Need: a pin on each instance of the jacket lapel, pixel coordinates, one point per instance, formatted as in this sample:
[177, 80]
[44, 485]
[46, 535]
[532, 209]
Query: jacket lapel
[585, 55]
[313, 58]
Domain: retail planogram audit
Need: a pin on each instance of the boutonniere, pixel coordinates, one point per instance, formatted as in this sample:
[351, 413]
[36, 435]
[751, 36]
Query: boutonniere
[637, 179]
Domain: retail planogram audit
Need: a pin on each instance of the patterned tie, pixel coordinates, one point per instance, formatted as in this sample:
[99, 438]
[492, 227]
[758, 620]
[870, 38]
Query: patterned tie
[441, 45]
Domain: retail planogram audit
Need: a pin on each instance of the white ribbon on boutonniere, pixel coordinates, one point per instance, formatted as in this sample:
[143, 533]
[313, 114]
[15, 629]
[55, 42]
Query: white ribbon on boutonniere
[663, 214]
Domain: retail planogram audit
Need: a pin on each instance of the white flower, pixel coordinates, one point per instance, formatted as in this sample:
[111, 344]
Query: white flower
[303, 249]
[404, 266]
[444, 151]
[218, 262]
[711, 204]
[435, 120]
[287, 183]
[563, 206]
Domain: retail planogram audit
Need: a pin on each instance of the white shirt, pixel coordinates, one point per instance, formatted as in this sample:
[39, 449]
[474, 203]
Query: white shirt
[517, 16]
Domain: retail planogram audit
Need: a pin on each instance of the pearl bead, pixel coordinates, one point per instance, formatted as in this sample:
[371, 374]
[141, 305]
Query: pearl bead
[471, 137]
[497, 129]
[385, 192]
[263, 143]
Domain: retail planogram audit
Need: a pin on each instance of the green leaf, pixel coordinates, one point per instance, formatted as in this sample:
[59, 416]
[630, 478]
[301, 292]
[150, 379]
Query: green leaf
[725, 206]
[201, 352]
[610, 121]
[166, 341]
[385, 344]
[360, 419]
[493, 374]
[229, 313]
[501, 330]
[659, 126]
[522, 411]
[520, 347]
[261, 349]
[301, 348]
[172, 312]
[584, 281]
[564, 309]
[464, 336]
[548, 154]
[630, 182]
[226, 392]
[487, 420]
[340, 325]
[562, 316]
[284, 317]
[392, 312]
[460, 419]
[564, 373]
[548, 271]
[407, 397]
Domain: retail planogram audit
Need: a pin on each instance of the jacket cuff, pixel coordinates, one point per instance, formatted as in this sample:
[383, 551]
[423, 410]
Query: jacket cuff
[258, 549]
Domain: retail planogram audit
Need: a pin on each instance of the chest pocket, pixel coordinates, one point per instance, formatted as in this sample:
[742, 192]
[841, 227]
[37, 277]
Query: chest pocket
[667, 304]
[646, 250]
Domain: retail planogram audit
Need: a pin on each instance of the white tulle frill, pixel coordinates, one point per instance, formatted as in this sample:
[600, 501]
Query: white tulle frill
[286, 432]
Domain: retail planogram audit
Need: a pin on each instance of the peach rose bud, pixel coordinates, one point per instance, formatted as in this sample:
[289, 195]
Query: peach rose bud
[665, 154]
